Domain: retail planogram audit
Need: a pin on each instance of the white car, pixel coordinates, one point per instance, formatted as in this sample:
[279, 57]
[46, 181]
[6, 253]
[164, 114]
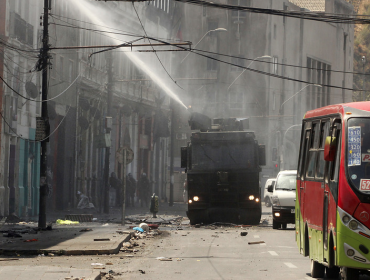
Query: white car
[267, 195]
[283, 195]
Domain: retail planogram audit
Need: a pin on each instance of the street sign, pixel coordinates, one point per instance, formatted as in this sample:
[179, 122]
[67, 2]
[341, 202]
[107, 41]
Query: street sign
[129, 155]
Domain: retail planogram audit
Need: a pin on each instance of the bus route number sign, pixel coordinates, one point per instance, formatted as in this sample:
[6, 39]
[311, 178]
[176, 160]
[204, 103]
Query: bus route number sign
[365, 185]
[354, 145]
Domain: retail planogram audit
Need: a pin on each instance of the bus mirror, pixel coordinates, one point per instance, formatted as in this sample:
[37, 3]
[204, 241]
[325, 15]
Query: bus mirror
[330, 148]
[184, 157]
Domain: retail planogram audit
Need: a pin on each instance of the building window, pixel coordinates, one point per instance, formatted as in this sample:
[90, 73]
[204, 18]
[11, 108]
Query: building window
[236, 100]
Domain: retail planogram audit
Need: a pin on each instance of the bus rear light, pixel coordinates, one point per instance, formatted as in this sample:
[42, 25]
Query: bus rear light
[251, 197]
[353, 225]
[196, 198]
[364, 234]
[350, 252]
[277, 214]
[190, 201]
[257, 199]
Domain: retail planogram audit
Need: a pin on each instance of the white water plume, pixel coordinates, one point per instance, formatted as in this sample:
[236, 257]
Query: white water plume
[93, 14]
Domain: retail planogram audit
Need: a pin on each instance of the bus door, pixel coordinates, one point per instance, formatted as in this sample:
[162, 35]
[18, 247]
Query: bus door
[301, 178]
[321, 172]
[331, 188]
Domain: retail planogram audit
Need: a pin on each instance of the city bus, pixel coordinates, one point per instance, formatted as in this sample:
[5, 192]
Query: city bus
[333, 190]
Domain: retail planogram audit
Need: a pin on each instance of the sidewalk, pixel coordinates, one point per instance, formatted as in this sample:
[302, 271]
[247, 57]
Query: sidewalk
[103, 236]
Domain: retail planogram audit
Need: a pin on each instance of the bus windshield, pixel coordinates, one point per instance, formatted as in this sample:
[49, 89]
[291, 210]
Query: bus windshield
[358, 153]
[210, 156]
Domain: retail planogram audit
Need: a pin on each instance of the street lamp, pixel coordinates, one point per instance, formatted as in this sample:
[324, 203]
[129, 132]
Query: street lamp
[213, 30]
[315, 85]
[265, 56]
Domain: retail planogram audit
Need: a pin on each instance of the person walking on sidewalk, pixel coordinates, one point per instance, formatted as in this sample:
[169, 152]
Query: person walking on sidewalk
[131, 189]
[116, 184]
[143, 190]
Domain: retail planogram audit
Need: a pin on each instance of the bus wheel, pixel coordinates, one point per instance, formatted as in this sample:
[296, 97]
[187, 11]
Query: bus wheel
[283, 226]
[347, 273]
[317, 269]
[275, 225]
[332, 272]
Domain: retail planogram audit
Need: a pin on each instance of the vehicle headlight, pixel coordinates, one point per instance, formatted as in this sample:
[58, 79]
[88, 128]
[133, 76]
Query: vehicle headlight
[345, 219]
[257, 199]
[190, 201]
[275, 201]
[196, 198]
[251, 197]
[350, 252]
[353, 225]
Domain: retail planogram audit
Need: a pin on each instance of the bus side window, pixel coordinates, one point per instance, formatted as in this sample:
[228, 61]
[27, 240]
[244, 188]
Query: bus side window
[303, 151]
[313, 150]
[320, 165]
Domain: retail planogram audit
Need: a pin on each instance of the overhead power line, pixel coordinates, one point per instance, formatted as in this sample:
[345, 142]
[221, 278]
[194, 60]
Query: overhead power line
[315, 16]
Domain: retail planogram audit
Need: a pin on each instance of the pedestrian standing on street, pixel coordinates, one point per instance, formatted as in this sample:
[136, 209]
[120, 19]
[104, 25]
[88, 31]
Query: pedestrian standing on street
[116, 184]
[130, 190]
[143, 190]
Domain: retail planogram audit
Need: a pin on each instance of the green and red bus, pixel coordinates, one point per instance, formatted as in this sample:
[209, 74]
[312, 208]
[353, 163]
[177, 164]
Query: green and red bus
[333, 190]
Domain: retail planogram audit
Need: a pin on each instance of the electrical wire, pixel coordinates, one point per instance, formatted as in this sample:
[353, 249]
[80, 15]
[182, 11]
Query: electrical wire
[133, 5]
[315, 16]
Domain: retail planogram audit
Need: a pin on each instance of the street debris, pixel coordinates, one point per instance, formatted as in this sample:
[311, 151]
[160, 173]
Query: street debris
[85, 229]
[141, 271]
[101, 239]
[164, 259]
[5, 260]
[30, 240]
[243, 233]
[138, 229]
[95, 264]
[66, 222]
[11, 233]
[256, 242]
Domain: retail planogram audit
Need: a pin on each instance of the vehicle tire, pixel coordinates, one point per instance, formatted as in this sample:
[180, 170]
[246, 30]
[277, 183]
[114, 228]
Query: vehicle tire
[317, 269]
[275, 225]
[332, 272]
[267, 202]
[283, 226]
[347, 273]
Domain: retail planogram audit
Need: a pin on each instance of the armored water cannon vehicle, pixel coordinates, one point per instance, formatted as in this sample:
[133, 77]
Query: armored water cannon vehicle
[222, 162]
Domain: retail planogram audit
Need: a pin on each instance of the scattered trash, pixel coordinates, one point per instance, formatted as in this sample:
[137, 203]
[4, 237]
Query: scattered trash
[11, 234]
[30, 240]
[94, 264]
[95, 219]
[105, 225]
[256, 242]
[101, 239]
[164, 259]
[41, 255]
[109, 263]
[153, 226]
[85, 229]
[138, 229]
[66, 222]
[141, 271]
[5, 260]
[243, 233]
[144, 226]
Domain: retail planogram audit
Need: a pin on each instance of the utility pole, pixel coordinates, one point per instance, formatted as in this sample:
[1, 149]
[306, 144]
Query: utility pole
[108, 127]
[44, 57]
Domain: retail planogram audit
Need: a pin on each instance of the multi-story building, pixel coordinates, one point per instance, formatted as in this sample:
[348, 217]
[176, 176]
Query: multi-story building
[287, 52]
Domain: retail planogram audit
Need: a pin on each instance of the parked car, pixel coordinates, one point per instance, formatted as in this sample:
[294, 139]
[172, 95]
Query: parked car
[283, 199]
[267, 195]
